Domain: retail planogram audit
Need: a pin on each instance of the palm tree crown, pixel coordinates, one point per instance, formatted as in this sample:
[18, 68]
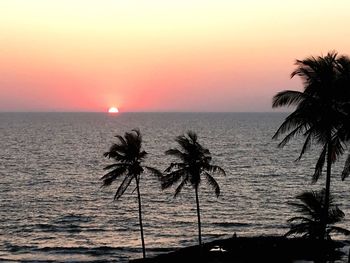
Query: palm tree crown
[194, 162]
[309, 224]
[128, 156]
[317, 116]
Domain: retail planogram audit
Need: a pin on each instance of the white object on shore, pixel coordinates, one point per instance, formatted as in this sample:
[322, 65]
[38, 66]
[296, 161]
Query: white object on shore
[217, 248]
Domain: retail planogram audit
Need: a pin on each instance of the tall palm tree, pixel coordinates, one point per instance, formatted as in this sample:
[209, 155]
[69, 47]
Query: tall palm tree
[194, 163]
[344, 131]
[309, 223]
[128, 156]
[318, 115]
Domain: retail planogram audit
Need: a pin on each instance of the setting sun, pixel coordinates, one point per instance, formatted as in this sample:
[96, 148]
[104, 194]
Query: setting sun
[113, 110]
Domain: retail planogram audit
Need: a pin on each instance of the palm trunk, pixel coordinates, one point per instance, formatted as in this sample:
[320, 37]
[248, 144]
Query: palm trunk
[328, 186]
[140, 218]
[199, 217]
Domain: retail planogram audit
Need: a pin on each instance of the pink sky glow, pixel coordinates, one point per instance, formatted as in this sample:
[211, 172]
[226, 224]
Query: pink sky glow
[154, 55]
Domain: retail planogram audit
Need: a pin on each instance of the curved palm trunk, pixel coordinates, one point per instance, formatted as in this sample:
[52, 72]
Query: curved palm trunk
[199, 217]
[328, 186]
[140, 218]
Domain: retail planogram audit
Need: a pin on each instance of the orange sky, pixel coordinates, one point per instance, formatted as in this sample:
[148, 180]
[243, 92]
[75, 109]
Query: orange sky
[159, 55]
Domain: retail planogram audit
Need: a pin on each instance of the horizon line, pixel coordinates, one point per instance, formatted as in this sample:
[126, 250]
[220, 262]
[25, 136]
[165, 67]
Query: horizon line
[121, 112]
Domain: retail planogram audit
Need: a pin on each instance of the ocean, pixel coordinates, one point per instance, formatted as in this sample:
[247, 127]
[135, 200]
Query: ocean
[52, 206]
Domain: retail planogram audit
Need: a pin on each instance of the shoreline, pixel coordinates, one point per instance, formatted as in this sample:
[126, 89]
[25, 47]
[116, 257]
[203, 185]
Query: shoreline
[254, 249]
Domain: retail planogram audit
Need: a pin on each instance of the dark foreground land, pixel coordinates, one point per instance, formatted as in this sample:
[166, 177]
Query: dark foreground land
[253, 249]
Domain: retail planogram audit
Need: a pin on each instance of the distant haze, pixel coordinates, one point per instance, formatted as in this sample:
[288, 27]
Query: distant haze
[156, 55]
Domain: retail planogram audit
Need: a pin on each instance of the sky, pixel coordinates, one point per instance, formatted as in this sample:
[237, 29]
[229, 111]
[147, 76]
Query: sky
[160, 55]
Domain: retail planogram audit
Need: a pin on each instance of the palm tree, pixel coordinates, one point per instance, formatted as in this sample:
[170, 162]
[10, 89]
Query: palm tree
[128, 156]
[344, 131]
[318, 115]
[309, 225]
[193, 165]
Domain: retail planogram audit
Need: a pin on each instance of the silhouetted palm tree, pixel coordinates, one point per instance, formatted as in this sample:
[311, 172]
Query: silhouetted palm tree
[319, 114]
[128, 156]
[193, 165]
[312, 208]
[344, 98]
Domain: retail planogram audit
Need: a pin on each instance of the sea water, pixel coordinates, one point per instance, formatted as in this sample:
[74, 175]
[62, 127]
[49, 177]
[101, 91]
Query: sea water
[52, 206]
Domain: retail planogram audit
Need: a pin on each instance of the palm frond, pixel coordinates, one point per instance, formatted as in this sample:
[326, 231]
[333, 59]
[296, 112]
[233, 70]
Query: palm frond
[172, 178]
[138, 133]
[298, 130]
[320, 164]
[287, 98]
[339, 230]
[212, 182]
[306, 145]
[302, 208]
[335, 215]
[337, 148]
[346, 169]
[299, 229]
[116, 151]
[124, 185]
[121, 140]
[184, 142]
[173, 166]
[111, 176]
[312, 200]
[180, 186]
[215, 169]
[293, 120]
[299, 218]
[142, 155]
[193, 136]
